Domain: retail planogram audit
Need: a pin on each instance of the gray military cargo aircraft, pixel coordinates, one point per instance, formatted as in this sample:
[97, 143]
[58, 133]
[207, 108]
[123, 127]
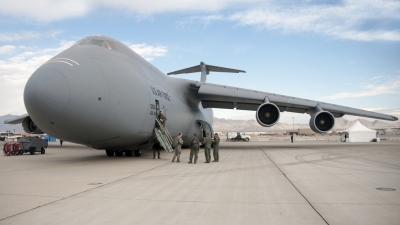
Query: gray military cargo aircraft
[100, 93]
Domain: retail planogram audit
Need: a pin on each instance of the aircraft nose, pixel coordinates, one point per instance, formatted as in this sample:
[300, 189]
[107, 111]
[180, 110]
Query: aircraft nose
[47, 92]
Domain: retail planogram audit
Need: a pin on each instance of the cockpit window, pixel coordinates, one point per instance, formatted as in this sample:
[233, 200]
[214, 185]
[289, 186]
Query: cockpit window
[110, 45]
[113, 46]
[103, 42]
[96, 42]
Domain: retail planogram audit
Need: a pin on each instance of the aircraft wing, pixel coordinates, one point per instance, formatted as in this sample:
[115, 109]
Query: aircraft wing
[16, 120]
[225, 97]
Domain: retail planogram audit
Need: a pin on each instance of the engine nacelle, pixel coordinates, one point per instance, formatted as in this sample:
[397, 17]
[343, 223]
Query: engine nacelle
[267, 114]
[322, 121]
[30, 127]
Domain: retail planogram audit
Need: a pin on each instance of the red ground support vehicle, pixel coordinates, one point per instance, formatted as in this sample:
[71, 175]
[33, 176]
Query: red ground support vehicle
[8, 149]
[17, 148]
[31, 145]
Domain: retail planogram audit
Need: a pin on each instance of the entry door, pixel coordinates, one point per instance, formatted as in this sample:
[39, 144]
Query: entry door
[205, 128]
[157, 108]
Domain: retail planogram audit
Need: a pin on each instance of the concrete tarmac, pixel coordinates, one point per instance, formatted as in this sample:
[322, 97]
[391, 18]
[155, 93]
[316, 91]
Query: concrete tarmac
[254, 183]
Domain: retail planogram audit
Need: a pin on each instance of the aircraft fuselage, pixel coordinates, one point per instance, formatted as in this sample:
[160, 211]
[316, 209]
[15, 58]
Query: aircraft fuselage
[103, 98]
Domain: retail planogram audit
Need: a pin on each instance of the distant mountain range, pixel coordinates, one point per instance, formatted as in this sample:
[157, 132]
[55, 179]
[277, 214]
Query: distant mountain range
[226, 125]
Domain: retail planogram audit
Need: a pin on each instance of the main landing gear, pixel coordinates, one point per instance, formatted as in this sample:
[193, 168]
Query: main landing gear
[128, 153]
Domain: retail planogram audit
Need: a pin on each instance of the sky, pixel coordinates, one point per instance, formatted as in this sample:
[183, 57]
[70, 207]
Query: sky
[345, 52]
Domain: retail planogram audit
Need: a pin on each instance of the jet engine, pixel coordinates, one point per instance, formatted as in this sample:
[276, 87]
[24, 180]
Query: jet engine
[30, 127]
[267, 114]
[322, 121]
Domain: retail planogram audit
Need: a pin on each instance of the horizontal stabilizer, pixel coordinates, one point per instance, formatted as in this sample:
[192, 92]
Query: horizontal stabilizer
[192, 69]
[223, 69]
[205, 70]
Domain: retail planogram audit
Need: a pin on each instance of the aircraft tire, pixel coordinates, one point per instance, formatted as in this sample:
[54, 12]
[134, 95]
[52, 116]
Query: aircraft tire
[137, 153]
[119, 153]
[110, 153]
[128, 153]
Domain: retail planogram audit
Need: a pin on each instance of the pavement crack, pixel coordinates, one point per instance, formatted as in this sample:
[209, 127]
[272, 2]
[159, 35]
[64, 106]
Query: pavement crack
[295, 187]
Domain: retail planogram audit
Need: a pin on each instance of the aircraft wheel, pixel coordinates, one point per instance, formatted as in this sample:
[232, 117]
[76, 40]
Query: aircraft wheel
[43, 151]
[137, 153]
[119, 153]
[128, 153]
[110, 153]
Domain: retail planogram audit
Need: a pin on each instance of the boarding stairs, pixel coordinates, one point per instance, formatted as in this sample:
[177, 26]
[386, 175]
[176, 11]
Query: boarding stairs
[163, 136]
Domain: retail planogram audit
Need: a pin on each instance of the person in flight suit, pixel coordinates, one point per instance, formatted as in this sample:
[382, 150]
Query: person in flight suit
[207, 148]
[194, 149]
[156, 149]
[177, 142]
[162, 118]
[216, 147]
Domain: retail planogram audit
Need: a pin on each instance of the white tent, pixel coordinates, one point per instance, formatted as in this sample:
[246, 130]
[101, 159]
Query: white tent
[359, 133]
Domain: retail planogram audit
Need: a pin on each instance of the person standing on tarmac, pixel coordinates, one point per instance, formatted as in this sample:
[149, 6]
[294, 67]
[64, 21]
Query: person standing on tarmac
[194, 149]
[162, 118]
[216, 147]
[291, 138]
[156, 149]
[177, 144]
[207, 148]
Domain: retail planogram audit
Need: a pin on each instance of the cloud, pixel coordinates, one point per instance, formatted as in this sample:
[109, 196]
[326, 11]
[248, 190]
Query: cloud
[366, 20]
[392, 86]
[351, 19]
[6, 49]
[26, 35]
[52, 10]
[46, 10]
[376, 78]
[204, 20]
[148, 52]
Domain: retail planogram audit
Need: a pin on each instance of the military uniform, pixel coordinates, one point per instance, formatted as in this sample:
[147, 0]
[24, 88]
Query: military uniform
[216, 149]
[162, 119]
[177, 149]
[207, 148]
[156, 150]
[194, 149]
